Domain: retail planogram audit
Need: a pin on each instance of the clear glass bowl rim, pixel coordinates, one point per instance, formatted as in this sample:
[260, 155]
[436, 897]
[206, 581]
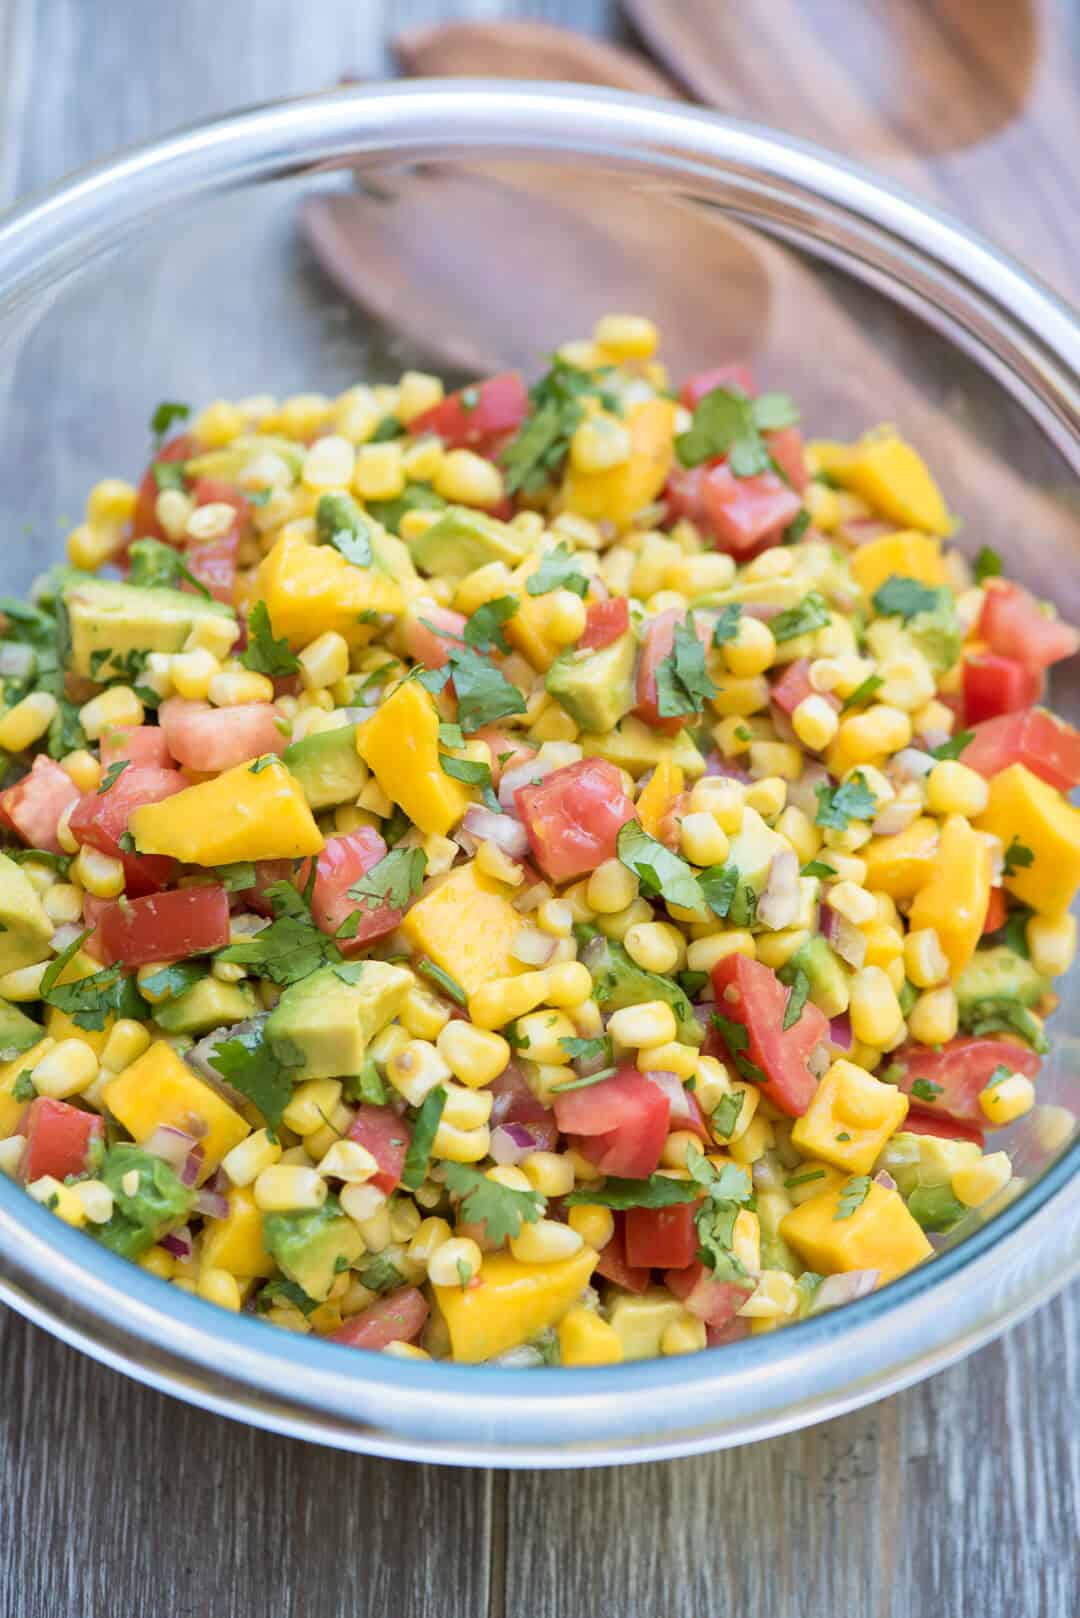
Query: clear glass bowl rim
[233, 1364]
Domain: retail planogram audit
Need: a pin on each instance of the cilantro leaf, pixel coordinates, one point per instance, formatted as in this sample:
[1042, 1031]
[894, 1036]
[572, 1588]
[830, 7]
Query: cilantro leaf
[435, 974]
[168, 412]
[340, 522]
[23, 1089]
[726, 626]
[800, 993]
[656, 1192]
[414, 497]
[154, 565]
[998, 1014]
[284, 1291]
[484, 628]
[588, 1050]
[658, 870]
[90, 1001]
[852, 800]
[113, 773]
[473, 772]
[682, 685]
[367, 1085]
[794, 1180]
[954, 746]
[725, 1115]
[40, 856]
[291, 948]
[723, 424]
[853, 1196]
[1018, 856]
[424, 1131]
[998, 1076]
[719, 884]
[862, 693]
[926, 1090]
[818, 868]
[173, 980]
[583, 1084]
[260, 1068]
[812, 612]
[558, 570]
[237, 876]
[796, 528]
[263, 654]
[394, 880]
[484, 693]
[987, 564]
[500, 1209]
[535, 455]
[381, 1275]
[773, 411]
[451, 736]
[901, 597]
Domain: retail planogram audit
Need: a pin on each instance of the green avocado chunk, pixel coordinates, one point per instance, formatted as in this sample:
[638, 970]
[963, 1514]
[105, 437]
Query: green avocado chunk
[313, 1247]
[935, 1207]
[207, 1005]
[636, 747]
[925, 1161]
[775, 1252]
[937, 633]
[27, 930]
[141, 1215]
[463, 540]
[328, 767]
[17, 1031]
[827, 974]
[107, 621]
[330, 1018]
[595, 688]
[617, 982]
[994, 992]
[751, 853]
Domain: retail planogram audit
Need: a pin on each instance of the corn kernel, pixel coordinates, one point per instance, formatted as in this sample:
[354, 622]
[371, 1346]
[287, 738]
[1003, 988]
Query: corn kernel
[454, 1145]
[286, 1187]
[476, 1056]
[650, 1023]
[59, 1198]
[63, 903]
[192, 673]
[545, 1242]
[27, 721]
[329, 463]
[852, 902]
[90, 545]
[564, 618]
[701, 839]
[767, 796]
[752, 650]
[975, 1183]
[379, 473]
[740, 697]
[348, 1161]
[600, 443]
[594, 1223]
[815, 722]
[310, 1105]
[465, 1108]
[416, 1069]
[1052, 943]
[673, 1057]
[954, 789]
[625, 337]
[1008, 1099]
[721, 798]
[925, 962]
[234, 689]
[653, 946]
[65, 1070]
[246, 1161]
[703, 954]
[774, 1298]
[324, 661]
[746, 1236]
[11, 1155]
[24, 983]
[568, 984]
[556, 918]
[549, 1173]
[117, 706]
[687, 1335]
[453, 1263]
[97, 1200]
[466, 478]
[933, 1018]
[111, 501]
[98, 873]
[218, 1286]
[875, 1012]
[417, 392]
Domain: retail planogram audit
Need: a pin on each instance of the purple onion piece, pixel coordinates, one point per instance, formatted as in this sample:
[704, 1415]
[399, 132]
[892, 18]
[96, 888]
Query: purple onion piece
[505, 831]
[840, 1032]
[522, 775]
[191, 1167]
[715, 765]
[178, 1242]
[885, 1180]
[510, 1143]
[171, 1145]
[211, 1204]
[839, 1289]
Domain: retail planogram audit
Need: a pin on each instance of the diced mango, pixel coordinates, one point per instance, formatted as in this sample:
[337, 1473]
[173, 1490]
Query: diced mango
[511, 1303]
[467, 926]
[621, 492]
[527, 630]
[235, 1243]
[246, 813]
[58, 1025]
[586, 1339]
[891, 477]
[12, 1110]
[880, 1235]
[954, 898]
[311, 589]
[635, 747]
[1028, 809]
[900, 865]
[664, 787]
[400, 744]
[159, 1088]
[850, 1118]
[908, 554]
[639, 1321]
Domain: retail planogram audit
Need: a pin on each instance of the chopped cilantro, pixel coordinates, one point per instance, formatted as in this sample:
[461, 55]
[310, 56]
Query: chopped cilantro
[583, 1084]
[727, 423]
[588, 1050]
[340, 522]
[260, 1068]
[818, 868]
[837, 806]
[387, 428]
[725, 1115]
[167, 413]
[500, 1209]
[987, 564]
[998, 1076]
[261, 764]
[800, 993]
[795, 1180]
[812, 612]
[926, 1090]
[169, 475]
[92, 1000]
[905, 598]
[773, 411]
[435, 974]
[61, 863]
[283, 1291]
[392, 881]
[24, 1086]
[291, 948]
[658, 870]
[954, 746]
[484, 693]
[719, 884]
[263, 653]
[451, 736]
[682, 684]
[558, 570]
[797, 527]
[853, 1196]
[726, 626]
[1018, 856]
[535, 455]
[156, 566]
[658, 1191]
[423, 1135]
[484, 628]
[862, 693]
[381, 1275]
[112, 774]
[237, 876]
[173, 980]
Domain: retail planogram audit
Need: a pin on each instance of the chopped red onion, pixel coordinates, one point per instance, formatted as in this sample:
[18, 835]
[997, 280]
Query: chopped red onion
[764, 610]
[932, 738]
[522, 775]
[505, 831]
[911, 764]
[840, 1031]
[65, 935]
[172, 1145]
[178, 1242]
[827, 921]
[511, 1142]
[531, 898]
[885, 1180]
[715, 765]
[465, 841]
[839, 1289]
[779, 903]
[895, 818]
[783, 726]
[766, 1175]
[532, 947]
[802, 793]
[685, 1112]
[191, 1167]
[211, 1204]
[845, 938]
[515, 1101]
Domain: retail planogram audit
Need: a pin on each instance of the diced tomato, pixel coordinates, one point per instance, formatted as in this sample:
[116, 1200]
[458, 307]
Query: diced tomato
[267, 872]
[101, 819]
[220, 492]
[423, 640]
[996, 685]
[514, 1101]
[605, 621]
[507, 752]
[163, 926]
[474, 417]
[747, 514]
[213, 563]
[662, 1238]
[34, 805]
[397, 1318]
[961, 1069]
[1044, 744]
[60, 1139]
[206, 738]
[918, 1122]
[1015, 625]
[342, 862]
[794, 687]
[144, 523]
[143, 746]
[619, 1124]
[682, 494]
[656, 646]
[573, 817]
[697, 386]
[613, 1265]
[732, 1331]
[785, 445]
[381, 1132]
[709, 1299]
[749, 993]
[996, 911]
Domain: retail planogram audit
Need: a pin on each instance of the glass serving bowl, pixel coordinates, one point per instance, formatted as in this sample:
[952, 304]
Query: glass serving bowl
[482, 223]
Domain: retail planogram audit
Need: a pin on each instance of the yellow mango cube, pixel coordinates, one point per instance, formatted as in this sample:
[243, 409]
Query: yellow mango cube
[891, 476]
[467, 926]
[235, 1243]
[908, 554]
[512, 1302]
[59, 1025]
[622, 491]
[957, 891]
[159, 1088]
[640, 1320]
[850, 1118]
[528, 630]
[311, 589]
[1024, 807]
[11, 1110]
[880, 1235]
[900, 865]
[400, 745]
[586, 1339]
[243, 814]
[664, 786]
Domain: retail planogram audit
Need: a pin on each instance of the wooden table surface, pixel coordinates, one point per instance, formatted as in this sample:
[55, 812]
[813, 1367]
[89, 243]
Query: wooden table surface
[959, 1496]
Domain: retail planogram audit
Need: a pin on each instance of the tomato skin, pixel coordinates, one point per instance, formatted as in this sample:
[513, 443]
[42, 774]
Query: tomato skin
[657, 644]
[424, 644]
[758, 1000]
[143, 746]
[715, 1302]
[997, 911]
[144, 523]
[343, 861]
[962, 1069]
[386, 1136]
[213, 739]
[661, 1238]
[918, 1122]
[397, 1318]
[502, 744]
[1044, 744]
[219, 491]
[614, 1266]
[101, 819]
[996, 685]
[59, 1139]
[620, 1124]
[605, 621]
[213, 563]
[794, 687]
[573, 817]
[163, 926]
[747, 514]
[785, 445]
[1015, 626]
[502, 403]
[730, 376]
[34, 805]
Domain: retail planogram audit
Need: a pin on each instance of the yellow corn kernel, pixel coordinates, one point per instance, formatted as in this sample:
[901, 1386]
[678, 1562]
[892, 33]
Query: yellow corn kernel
[975, 1183]
[619, 923]
[287, 1188]
[723, 799]
[703, 954]
[453, 1263]
[876, 1018]
[568, 984]
[98, 873]
[63, 903]
[853, 902]
[415, 1070]
[454, 1145]
[239, 686]
[23, 983]
[329, 463]
[422, 1014]
[473, 1055]
[954, 789]
[925, 962]
[754, 1141]
[465, 1108]
[672, 1057]
[601, 442]
[550, 1173]
[752, 650]
[776, 949]
[650, 1023]
[65, 1070]
[774, 1298]
[556, 918]
[417, 392]
[126, 1042]
[746, 1241]
[59, 1198]
[90, 545]
[1050, 939]
[324, 661]
[28, 720]
[83, 768]
[815, 722]
[214, 635]
[676, 1147]
[117, 706]
[209, 522]
[218, 1286]
[192, 673]
[1008, 1099]
[864, 738]
[594, 1223]
[800, 832]
[158, 1261]
[247, 1160]
[97, 1200]
[546, 1241]
[625, 337]
[348, 1161]
[111, 501]
[503, 999]
[933, 1018]
[428, 1237]
[741, 696]
[541, 1034]
[378, 473]
[701, 839]
[768, 796]
[310, 1105]
[302, 415]
[653, 946]
[564, 618]
[1053, 1126]
[467, 479]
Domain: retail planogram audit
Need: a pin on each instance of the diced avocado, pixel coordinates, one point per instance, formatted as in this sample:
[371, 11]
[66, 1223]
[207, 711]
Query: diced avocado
[144, 1212]
[617, 982]
[330, 1016]
[924, 1160]
[827, 974]
[636, 748]
[313, 1247]
[207, 1005]
[233, 461]
[751, 853]
[107, 621]
[17, 1031]
[391, 554]
[780, 593]
[775, 1252]
[463, 540]
[596, 688]
[998, 974]
[414, 497]
[328, 767]
[935, 1207]
[26, 929]
[937, 633]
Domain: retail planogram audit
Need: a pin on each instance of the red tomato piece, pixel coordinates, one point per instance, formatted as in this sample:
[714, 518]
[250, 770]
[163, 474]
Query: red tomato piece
[397, 1318]
[749, 993]
[101, 819]
[381, 1132]
[662, 1238]
[794, 686]
[213, 563]
[996, 911]
[605, 621]
[613, 1265]
[697, 386]
[220, 492]
[961, 1069]
[1044, 744]
[60, 1139]
[747, 514]
[507, 752]
[573, 817]
[619, 1124]
[713, 1301]
[785, 445]
[682, 494]
[34, 805]
[342, 862]
[656, 646]
[163, 926]
[918, 1122]
[1015, 625]
[423, 640]
[206, 738]
[141, 745]
[996, 685]
[144, 523]
[473, 417]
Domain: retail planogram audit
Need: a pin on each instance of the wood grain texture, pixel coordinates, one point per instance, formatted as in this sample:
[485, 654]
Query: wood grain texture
[960, 1496]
